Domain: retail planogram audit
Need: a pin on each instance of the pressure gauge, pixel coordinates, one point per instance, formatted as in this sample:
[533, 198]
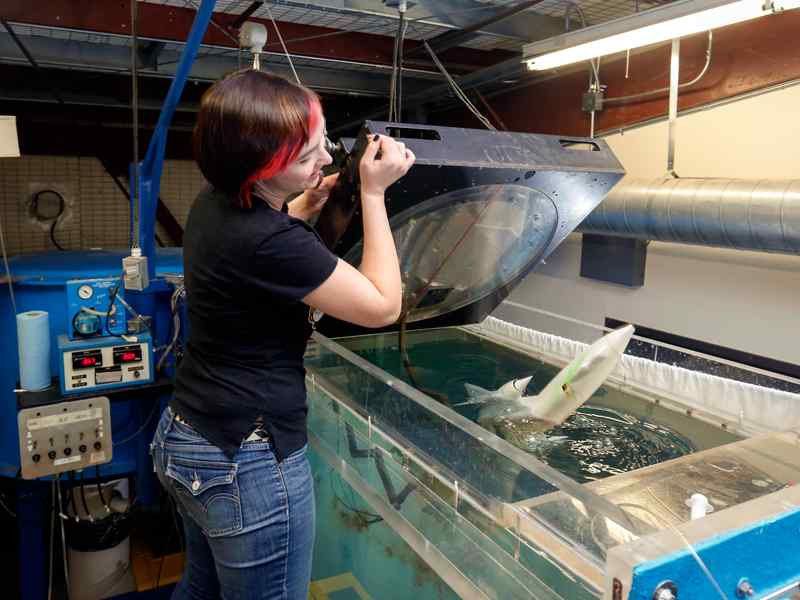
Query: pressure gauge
[85, 292]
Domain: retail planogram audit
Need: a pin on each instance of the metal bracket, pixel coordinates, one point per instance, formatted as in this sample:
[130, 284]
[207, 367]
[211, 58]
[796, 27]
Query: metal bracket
[674, 74]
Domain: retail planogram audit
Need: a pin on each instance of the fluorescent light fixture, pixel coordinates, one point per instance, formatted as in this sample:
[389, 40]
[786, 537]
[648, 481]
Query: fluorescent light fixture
[675, 20]
[9, 144]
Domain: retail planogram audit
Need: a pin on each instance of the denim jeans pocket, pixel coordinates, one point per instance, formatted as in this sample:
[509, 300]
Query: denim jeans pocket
[208, 491]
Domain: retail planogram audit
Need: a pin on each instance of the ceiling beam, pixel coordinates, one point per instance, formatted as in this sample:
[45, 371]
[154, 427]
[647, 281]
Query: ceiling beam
[322, 76]
[171, 23]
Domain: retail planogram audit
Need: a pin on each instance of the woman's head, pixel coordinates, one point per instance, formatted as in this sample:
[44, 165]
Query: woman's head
[254, 126]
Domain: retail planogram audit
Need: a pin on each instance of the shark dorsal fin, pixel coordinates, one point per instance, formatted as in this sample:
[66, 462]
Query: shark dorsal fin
[475, 391]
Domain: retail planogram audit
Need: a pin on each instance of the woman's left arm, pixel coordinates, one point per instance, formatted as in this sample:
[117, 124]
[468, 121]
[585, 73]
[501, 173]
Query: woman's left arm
[309, 204]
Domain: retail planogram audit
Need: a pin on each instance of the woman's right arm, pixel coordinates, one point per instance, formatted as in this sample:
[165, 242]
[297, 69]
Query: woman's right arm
[371, 295]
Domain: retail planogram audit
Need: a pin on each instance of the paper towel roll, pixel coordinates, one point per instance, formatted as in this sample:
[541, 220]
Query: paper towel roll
[33, 342]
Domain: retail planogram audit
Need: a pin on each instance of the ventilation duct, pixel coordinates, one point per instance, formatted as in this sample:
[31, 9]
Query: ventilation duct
[762, 215]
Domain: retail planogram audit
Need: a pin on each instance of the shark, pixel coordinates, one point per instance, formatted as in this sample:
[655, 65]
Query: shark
[512, 415]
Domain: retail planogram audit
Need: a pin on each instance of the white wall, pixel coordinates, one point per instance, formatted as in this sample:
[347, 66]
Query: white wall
[744, 300]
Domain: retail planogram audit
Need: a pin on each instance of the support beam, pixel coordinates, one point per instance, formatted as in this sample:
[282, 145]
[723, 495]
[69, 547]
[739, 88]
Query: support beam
[321, 75]
[171, 23]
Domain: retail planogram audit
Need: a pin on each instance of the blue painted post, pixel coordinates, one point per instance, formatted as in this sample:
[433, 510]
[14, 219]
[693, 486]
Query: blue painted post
[153, 163]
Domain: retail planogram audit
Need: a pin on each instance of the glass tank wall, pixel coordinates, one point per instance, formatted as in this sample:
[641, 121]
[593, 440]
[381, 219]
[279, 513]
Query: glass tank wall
[536, 518]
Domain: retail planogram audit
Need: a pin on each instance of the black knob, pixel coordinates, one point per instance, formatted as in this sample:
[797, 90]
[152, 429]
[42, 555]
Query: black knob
[36, 458]
[82, 448]
[97, 445]
[137, 374]
[67, 451]
[51, 455]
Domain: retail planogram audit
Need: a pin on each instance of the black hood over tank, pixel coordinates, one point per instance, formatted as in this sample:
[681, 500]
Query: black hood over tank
[475, 214]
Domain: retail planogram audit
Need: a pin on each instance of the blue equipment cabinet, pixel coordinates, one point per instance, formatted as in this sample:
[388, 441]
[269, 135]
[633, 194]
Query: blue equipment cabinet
[40, 283]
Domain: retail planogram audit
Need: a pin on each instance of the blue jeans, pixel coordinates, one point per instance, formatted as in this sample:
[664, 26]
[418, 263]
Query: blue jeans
[248, 522]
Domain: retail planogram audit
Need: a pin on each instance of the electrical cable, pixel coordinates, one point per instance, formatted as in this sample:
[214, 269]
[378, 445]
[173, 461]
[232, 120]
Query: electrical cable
[457, 90]
[393, 79]
[100, 489]
[180, 291]
[141, 428]
[55, 219]
[285, 50]
[577, 8]
[52, 538]
[10, 512]
[136, 194]
[112, 297]
[63, 535]
[404, 27]
[83, 500]
[703, 71]
[72, 496]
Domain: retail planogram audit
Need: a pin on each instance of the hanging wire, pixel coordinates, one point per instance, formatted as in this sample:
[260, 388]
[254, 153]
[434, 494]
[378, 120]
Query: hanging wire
[212, 22]
[52, 537]
[285, 50]
[8, 269]
[135, 195]
[393, 79]
[141, 429]
[458, 91]
[63, 535]
[700, 75]
[399, 98]
[577, 8]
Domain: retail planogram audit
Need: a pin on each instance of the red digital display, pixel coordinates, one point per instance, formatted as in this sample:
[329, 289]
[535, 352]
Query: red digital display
[127, 354]
[87, 359]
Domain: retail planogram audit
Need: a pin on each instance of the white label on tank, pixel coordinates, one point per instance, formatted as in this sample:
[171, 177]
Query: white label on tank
[97, 456]
[64, 461]
[65, 418]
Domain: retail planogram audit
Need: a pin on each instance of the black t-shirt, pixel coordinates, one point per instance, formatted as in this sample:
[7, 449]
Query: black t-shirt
[245, 273]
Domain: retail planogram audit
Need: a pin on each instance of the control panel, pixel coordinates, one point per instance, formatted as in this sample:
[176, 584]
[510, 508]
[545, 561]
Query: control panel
[64, 437]
[103, 363]
[90, 302]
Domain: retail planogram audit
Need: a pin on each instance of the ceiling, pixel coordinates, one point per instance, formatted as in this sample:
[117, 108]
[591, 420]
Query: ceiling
[339, 47]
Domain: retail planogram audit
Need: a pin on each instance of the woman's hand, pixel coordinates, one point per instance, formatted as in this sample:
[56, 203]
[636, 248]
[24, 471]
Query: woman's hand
[309, 204]
[377, 174]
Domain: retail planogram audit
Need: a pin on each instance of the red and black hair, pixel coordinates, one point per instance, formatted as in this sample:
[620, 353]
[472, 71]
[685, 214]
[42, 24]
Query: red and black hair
[251, 126]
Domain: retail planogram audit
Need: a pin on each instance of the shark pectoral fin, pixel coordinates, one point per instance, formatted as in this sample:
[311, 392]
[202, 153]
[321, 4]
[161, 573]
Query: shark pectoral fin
[475, 392]
[474, 401]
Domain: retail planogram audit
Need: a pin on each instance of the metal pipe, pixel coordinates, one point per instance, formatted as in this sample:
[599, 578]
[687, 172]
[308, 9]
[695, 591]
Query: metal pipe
[761, 215]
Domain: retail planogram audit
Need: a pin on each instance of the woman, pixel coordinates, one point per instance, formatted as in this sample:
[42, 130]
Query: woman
[231, 446]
